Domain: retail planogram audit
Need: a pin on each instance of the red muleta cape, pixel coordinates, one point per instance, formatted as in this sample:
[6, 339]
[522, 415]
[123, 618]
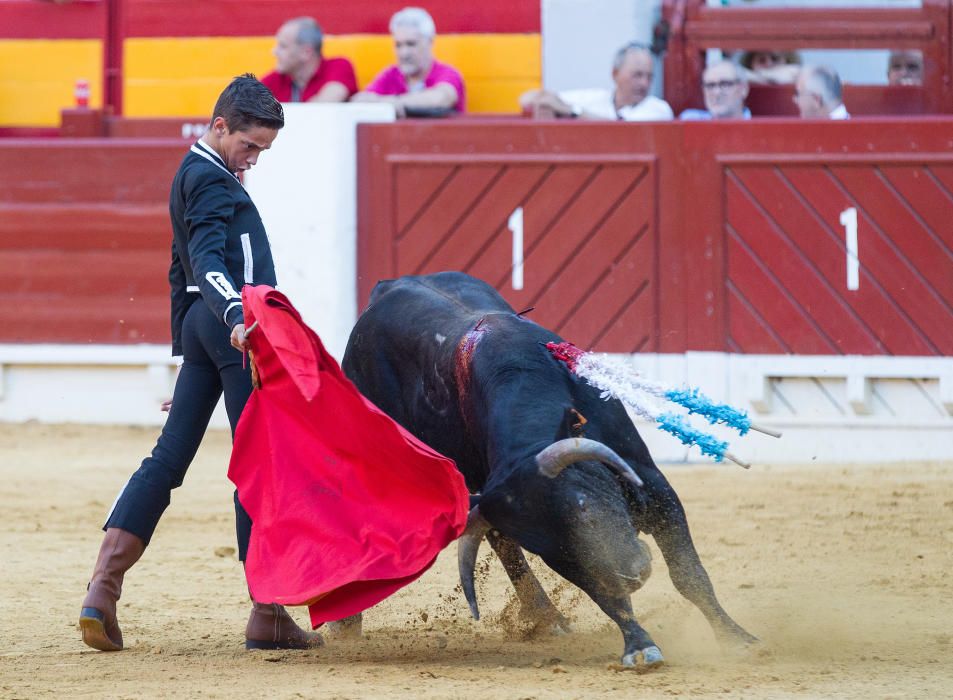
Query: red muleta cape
[347, 506]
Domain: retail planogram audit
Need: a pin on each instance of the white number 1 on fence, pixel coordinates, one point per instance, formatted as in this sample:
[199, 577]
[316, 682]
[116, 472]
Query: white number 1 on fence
[848, 219]
[515, 225]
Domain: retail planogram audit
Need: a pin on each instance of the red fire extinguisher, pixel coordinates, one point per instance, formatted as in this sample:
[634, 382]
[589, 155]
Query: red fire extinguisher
[81, 93]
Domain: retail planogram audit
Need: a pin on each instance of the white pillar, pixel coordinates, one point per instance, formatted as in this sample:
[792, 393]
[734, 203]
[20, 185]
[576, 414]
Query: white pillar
[305, 187]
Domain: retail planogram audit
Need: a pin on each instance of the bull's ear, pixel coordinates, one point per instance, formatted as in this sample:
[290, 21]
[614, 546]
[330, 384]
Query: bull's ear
[572, 426]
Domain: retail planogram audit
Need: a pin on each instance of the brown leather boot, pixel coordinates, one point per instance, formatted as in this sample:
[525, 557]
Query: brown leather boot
[97, 620]
[271, 627]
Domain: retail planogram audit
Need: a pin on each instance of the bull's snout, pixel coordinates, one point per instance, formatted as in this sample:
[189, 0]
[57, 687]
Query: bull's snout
[640, 569]
[607, 548]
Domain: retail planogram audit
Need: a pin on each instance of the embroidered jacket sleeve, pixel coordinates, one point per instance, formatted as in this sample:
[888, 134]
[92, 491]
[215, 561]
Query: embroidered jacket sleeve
[179, 296]
[209, 207]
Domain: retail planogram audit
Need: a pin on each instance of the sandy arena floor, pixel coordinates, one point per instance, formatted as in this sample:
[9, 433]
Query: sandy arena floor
[843, 572]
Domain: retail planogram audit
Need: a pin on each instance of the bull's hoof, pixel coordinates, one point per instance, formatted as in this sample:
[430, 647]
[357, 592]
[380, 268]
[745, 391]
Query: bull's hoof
[740, 643]
[348, 629]
[740, 648]
[644, 659]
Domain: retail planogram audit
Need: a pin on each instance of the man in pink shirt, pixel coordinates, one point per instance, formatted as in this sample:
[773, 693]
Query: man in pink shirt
[418, 84]
[301, 73]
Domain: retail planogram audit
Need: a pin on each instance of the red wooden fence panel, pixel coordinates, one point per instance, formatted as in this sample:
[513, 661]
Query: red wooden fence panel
[84, 240]
[587, 212]
[686, 236]
[653, 237]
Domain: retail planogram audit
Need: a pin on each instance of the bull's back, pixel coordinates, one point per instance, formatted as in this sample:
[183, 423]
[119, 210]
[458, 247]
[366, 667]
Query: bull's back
[456, 294]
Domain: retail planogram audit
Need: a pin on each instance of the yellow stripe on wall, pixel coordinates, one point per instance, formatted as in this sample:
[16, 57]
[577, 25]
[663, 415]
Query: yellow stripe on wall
[183, 77]
[40, 77]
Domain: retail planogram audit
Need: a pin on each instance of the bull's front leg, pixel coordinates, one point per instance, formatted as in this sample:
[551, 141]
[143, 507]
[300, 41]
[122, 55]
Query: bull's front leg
[639, 652]
[535, 606]
[688, 574]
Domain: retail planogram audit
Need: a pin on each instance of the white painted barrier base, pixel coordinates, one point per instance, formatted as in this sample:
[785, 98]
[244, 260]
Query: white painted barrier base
[830, 409]
[90, 384]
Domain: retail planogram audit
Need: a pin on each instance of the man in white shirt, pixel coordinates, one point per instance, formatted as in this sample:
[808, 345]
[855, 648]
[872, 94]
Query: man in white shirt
[632, 71]
[817, 94]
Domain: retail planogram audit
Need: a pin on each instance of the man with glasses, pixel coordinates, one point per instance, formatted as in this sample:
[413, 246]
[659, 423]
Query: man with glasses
[725, 90]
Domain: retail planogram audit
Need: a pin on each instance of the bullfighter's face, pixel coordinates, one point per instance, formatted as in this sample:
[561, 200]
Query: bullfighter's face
[240, 148]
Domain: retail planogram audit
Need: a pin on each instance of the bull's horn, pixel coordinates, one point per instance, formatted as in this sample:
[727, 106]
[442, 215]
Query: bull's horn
[467, 548]
[560, 455]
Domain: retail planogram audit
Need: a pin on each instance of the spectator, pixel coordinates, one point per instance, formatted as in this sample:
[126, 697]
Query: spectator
[771, 67]
[725, 90]
[632, 71]
[301, 73]
[817, 94]
[418, 84]
[905, 68]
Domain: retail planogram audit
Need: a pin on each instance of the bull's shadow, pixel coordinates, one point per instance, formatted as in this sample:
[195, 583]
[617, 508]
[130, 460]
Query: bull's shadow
[554, 468]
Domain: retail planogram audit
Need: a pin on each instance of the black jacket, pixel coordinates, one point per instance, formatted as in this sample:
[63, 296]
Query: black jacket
[219, 242]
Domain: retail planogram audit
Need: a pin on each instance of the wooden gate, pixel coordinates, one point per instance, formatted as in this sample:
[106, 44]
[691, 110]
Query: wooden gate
[573, 234]
[778, 236]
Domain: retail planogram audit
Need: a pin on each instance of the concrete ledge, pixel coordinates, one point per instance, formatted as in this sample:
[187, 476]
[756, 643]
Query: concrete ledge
[94, 384]
[835, 409]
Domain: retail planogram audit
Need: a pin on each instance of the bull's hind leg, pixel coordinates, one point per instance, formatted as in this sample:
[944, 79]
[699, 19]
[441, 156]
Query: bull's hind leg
[691, 580]
[639, 652]
[535, 606]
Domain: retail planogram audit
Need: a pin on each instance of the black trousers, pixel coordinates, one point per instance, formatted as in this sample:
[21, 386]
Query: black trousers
[210, 367]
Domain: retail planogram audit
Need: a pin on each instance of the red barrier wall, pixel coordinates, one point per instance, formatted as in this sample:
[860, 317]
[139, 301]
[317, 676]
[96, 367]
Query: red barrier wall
[680, 236]
[39, 19]
[652, 237]
[84, 240]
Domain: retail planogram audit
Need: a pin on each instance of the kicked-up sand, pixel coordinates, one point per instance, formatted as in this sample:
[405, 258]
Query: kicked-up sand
[843, 572]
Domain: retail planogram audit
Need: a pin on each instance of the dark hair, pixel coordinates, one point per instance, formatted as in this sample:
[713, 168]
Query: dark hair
[246, 103]
[787, 57]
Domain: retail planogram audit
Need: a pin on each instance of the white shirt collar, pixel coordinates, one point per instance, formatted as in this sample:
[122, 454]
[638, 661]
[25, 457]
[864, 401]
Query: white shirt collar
[839, 112]
[207, 152]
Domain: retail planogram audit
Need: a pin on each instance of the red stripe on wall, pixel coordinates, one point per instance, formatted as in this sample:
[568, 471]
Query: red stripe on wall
[173, 18]
[31, 19]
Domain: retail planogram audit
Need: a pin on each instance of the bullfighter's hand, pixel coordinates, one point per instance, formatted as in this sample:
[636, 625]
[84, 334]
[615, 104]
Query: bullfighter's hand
[238, 339]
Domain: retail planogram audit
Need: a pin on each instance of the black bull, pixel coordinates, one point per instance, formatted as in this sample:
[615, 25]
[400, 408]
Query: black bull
[451, 361]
